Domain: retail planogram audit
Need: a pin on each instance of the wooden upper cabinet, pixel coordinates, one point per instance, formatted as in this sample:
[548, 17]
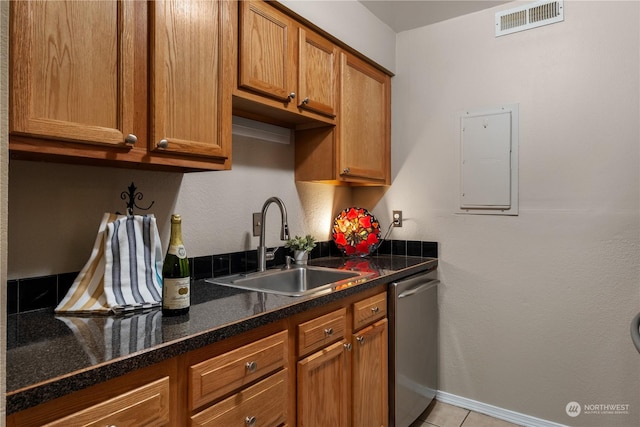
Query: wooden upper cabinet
[190, 108]
[358, 150]
[122, 82]
[72, 70]
[364, 128]
[286, 71]
[317, 73]
[266, 60]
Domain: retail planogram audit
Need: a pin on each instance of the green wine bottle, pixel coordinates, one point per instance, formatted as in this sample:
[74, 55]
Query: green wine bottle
[176, 280]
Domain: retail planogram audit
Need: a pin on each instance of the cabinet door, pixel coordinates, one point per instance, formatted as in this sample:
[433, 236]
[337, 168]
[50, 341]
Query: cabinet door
[322, 388]
[370, 373]
[317, 73]
[72, 70]
[266, 52]
[364, 125]
[191, 101]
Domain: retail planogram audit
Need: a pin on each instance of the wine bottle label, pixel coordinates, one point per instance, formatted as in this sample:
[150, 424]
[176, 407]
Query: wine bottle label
[175, 293]
[178, 250]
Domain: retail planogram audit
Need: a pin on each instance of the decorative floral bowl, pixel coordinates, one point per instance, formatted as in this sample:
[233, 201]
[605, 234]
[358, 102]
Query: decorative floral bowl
[356, 232]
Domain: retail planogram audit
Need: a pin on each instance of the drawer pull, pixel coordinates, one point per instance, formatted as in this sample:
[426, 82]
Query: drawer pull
[360, 339]
[375, 309]
[250, 421]
[328, 331]
[163, 143]
[347, 346]
[251, 366]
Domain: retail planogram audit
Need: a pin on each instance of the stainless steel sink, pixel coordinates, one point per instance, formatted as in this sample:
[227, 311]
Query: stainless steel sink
[295, 281]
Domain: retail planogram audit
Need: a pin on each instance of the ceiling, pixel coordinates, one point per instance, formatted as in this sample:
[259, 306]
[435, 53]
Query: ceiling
[402, 15]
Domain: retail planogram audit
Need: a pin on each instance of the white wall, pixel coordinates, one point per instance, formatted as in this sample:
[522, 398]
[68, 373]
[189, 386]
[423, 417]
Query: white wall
[55, 210]
[535, 309]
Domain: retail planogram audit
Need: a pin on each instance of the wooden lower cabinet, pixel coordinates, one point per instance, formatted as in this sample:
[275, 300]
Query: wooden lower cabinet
[322, 387]
[322, 367]
[370, 383]
[345, 383]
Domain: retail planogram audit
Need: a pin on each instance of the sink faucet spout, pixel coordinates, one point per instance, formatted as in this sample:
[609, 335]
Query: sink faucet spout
[263, 255]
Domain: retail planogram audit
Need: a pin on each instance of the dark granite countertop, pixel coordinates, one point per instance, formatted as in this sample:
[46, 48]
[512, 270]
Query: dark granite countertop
[49, 356]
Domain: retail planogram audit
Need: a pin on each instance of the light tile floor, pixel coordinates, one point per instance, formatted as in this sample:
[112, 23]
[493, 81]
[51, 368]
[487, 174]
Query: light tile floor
[444, 415]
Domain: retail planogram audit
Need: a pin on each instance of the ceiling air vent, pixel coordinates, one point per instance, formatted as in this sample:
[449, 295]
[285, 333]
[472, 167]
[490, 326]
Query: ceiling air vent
[529, 16]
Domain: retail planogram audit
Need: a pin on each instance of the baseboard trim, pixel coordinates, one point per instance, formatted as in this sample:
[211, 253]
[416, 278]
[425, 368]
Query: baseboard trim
[494, 411]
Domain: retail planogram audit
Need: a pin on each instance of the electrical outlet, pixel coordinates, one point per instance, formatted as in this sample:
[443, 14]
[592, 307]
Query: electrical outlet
[397, 218]
[257, 225]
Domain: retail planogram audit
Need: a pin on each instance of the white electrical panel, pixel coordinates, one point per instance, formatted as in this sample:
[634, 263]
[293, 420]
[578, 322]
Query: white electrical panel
[488, 155]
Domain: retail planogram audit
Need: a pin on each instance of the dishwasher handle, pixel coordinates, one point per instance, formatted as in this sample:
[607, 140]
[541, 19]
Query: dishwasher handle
[419, 288]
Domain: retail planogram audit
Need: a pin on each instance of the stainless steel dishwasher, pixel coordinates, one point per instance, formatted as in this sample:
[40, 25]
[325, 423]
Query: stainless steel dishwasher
[413, 347]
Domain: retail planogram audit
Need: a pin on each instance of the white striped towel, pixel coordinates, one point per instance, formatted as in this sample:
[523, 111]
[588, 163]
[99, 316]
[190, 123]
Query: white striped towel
[124, 270]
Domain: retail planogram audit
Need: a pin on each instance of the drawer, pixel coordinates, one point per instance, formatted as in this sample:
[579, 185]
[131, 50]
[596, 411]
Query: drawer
[319, 332]
[144, 406]
[263, 404]
[221, 375]
[369, 310]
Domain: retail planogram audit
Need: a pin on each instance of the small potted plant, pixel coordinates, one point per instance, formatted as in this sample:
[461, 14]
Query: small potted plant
[301, 247]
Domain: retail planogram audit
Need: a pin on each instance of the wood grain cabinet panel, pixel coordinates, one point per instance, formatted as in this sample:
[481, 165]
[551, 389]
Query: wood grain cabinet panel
[143, 406]
[364, 127]
[263, 404]
[215, 377]
[266, 51]
[322, 388]
[318, 73]
[189, 114]
[319, 332]
[369, 310]
[370, 376]
[72, 70]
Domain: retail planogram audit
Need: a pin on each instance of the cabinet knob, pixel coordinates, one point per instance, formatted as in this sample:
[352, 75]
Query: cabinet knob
[250, 421]
[291, 96]
[346, 171]
[360, 339]
[328, 331]
[131, 139]
[251, 366]
[375, 309]
[163, 143]
[347, 346]
[304, 102]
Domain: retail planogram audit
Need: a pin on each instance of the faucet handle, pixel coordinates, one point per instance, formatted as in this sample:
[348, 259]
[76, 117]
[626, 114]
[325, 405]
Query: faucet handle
[271, 255]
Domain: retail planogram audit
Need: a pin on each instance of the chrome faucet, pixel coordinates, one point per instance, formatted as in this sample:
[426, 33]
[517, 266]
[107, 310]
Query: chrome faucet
[263, 254]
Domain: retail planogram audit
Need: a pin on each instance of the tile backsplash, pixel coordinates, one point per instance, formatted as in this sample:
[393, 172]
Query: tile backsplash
[36, 293]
